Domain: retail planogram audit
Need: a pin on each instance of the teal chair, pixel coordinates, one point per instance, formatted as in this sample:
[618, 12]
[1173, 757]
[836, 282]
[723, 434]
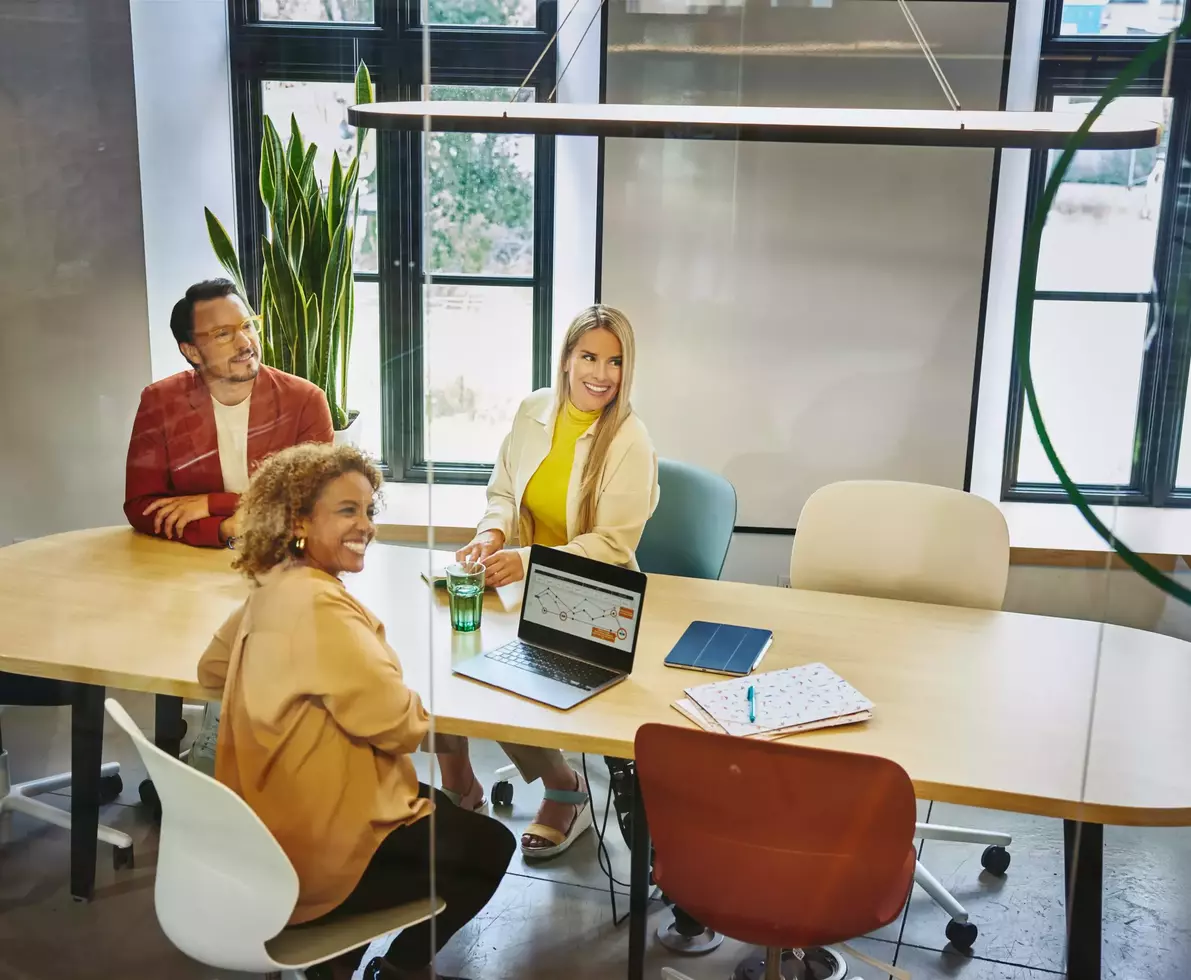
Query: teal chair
[691, 529]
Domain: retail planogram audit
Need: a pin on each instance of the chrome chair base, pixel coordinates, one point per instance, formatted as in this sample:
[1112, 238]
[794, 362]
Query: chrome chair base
[676, 942]
[812, 963]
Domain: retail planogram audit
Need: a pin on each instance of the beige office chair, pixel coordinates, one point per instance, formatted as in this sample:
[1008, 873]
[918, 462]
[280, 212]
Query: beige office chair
[923, 544]
[225, 889]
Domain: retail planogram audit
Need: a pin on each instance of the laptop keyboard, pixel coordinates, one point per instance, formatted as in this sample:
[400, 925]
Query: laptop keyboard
[552, 665]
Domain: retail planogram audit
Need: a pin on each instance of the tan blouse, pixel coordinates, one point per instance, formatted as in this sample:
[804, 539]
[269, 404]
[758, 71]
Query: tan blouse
[317, 728]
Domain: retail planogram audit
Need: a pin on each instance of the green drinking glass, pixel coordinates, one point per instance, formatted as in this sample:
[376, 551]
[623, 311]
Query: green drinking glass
[465, 586]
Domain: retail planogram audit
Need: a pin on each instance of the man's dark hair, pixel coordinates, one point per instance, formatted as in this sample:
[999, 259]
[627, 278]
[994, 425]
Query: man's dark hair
[182, 318]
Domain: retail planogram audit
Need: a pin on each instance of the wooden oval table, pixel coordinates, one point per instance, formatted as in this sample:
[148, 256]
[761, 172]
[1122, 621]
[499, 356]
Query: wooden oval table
[1056, 717]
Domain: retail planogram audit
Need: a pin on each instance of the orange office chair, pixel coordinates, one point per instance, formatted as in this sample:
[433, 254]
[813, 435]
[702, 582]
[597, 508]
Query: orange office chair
[777, 845]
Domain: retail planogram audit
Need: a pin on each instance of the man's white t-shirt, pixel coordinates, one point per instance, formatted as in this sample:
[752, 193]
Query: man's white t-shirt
[231, 429]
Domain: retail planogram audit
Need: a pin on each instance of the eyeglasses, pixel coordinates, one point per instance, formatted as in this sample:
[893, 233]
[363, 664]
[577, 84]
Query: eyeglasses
[224, 336]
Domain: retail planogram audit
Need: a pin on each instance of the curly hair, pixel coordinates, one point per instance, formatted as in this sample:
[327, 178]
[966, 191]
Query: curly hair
[283, 489]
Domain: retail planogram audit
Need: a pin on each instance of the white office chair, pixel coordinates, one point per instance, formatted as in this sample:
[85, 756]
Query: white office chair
[923, 544]
[18, 798]
[225, 889]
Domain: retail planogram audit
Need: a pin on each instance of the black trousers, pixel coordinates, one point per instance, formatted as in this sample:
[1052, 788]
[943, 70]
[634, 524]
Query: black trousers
[471, 854]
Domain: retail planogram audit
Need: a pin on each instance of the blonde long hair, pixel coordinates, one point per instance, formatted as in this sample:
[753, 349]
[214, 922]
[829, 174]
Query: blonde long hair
[615, 412]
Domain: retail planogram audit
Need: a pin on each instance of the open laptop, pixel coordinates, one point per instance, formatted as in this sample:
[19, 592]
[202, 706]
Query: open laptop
[577, 635]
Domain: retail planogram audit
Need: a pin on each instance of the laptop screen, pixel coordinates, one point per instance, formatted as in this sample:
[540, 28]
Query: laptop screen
[576, 605]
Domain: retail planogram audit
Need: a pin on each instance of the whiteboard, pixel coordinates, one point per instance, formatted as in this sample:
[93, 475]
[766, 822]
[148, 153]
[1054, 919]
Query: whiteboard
[804, 313]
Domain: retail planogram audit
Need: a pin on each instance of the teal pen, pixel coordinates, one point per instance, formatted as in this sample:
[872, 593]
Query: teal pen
[752, 704]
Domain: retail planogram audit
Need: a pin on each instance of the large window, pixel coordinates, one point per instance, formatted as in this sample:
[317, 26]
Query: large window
[1109, 348]
[452, 271]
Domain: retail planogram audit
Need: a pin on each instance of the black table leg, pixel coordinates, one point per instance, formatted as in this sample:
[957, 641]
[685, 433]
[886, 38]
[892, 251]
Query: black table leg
[1083, 848]
[86, 757]
[639, 874]
[167, 724]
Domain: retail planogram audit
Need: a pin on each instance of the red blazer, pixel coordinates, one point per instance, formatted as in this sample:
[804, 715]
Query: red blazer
[174, 449]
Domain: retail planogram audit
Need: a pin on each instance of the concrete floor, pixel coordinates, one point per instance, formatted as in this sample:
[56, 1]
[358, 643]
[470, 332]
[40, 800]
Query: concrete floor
[554, 921]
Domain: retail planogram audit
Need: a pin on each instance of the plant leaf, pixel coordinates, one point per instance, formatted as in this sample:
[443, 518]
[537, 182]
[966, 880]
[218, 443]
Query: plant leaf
[349, 323]
[283, 292]
[335, 198]
[365, 95]
[306, 175]
[271, 152]
[225, 252]
[296, 147]
[365, 92]
[297, 238]
[331, 292]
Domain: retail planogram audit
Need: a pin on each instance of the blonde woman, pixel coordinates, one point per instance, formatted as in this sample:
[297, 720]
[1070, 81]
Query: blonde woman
[318, 725]
[577, 472]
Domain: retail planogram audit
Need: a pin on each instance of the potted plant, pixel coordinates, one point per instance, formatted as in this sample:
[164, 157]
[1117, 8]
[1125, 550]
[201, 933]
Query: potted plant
[307, 287]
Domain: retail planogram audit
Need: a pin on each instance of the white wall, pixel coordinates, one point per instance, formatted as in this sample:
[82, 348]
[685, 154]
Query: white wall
[73, 327]
[184, 117]
[804, 313]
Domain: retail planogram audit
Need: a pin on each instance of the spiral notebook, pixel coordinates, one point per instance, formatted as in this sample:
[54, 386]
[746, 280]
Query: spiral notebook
[797, 699]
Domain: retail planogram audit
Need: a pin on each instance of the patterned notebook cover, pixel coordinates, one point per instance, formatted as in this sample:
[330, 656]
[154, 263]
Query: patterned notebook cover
[687, 707]
[794, 699]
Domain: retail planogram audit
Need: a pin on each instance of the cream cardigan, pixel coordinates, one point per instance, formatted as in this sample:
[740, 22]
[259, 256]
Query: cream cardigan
[628, 486]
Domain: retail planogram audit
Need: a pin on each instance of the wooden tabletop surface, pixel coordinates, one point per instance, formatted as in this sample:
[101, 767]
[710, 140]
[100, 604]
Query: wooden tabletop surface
[1039, 715]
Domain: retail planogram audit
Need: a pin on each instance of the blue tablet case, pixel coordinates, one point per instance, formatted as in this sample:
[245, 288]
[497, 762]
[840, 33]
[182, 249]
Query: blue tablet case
[719, 648]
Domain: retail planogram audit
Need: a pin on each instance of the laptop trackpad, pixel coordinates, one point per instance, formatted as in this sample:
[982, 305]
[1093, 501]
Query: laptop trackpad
[523, 682]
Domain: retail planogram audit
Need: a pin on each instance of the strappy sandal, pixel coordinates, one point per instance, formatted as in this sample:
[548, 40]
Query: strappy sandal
[457, 798]
[558, 841]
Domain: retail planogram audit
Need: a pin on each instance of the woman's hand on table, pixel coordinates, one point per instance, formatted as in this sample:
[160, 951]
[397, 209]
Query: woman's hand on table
[503, 568]
[482, 545]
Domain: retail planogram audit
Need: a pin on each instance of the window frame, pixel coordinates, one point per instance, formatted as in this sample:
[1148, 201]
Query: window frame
[1084, 65]
[392, 48]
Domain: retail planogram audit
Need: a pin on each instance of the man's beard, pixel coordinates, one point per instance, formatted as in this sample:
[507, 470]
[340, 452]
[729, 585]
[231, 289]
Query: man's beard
[227, 370]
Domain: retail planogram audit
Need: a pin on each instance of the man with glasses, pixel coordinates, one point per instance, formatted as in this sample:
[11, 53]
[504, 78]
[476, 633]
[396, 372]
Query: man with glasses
[200, 433]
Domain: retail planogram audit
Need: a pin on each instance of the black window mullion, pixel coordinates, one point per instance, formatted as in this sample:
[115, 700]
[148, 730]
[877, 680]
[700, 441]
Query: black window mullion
[401, 336]
[251, 221]
[441, 279]
[543, 260]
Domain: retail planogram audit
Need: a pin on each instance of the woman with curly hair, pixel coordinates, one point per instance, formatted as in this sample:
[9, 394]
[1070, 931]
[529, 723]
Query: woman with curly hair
[318, 725]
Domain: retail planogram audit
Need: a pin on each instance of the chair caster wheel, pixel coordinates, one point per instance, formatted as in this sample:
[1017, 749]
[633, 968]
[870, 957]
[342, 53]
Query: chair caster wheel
[502, 793]
[962, 935]
[995, 859]
[150, 798]
[110, 788]
[122, 858]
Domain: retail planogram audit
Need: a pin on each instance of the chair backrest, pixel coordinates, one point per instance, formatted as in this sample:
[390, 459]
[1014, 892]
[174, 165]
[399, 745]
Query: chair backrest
[902, 541]
[224, 885]
[776, 844]
[691, 528]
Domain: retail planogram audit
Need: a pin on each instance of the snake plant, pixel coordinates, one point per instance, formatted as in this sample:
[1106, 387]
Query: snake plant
[307, 289]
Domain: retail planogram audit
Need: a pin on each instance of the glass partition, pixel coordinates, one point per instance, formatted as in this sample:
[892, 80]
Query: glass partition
[377, 471]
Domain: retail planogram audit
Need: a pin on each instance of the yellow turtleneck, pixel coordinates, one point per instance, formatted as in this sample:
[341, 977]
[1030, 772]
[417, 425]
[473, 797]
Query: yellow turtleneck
[546, 493]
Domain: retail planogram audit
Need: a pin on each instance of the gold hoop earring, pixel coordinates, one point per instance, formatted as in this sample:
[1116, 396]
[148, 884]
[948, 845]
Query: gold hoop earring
[300, 545]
